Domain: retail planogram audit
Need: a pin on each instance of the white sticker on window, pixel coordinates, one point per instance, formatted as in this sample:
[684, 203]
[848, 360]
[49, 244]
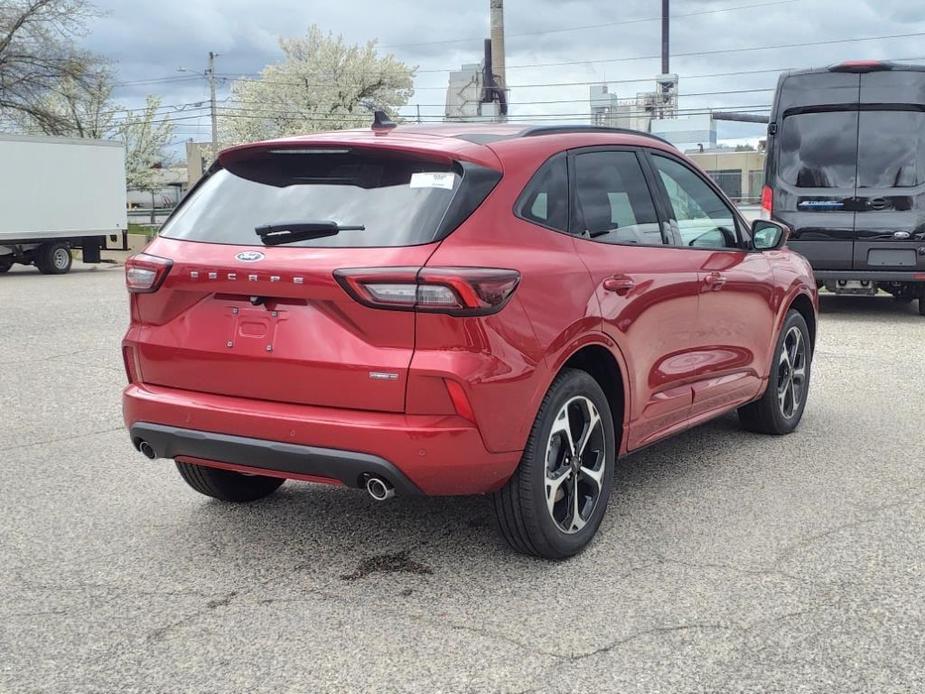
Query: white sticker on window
[433, 179]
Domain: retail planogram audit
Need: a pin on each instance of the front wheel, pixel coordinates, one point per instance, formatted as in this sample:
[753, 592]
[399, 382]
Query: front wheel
[554, 503]
[781, 407]
[226, 485]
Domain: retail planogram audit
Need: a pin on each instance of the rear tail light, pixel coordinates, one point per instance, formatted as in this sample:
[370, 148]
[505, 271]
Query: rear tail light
[145, 273]
[457, 291]
[767, 202]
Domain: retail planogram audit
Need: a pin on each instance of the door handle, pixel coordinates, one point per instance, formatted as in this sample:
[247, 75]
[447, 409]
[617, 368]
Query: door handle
[714, 280]
[619, 284]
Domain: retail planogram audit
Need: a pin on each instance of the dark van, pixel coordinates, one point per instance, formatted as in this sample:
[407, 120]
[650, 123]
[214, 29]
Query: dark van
[846, 171]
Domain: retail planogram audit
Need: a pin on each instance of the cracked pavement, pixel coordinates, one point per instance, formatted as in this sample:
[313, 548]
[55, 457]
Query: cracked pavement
[728, 562]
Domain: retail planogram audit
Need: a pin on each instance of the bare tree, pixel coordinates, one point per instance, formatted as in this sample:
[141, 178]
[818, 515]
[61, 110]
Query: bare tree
[43, 73]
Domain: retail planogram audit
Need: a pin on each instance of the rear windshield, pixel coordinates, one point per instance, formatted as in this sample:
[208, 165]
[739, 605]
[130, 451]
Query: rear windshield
[845, 149]
[819, 150]
[399, 200]
[891, 148]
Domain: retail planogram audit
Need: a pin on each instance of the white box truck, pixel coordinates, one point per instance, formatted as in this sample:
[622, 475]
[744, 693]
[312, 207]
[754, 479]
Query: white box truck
[56, 194]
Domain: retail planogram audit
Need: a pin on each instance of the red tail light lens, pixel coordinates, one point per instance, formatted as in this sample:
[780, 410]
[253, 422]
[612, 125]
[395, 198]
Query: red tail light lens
[145, 273]
[457, 291]
[767, 201]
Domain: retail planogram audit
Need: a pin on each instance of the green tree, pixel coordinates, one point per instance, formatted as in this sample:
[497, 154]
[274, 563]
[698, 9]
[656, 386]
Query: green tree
[323, 83]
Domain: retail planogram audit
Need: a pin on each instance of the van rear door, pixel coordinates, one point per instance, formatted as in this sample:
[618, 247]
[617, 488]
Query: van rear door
[890, 192]
[814, 164]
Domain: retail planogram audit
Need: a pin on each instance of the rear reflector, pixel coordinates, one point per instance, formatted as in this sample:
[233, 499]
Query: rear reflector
[460, 402]
[145, 273]
[457, 291]
[767, 202]
[131, 364]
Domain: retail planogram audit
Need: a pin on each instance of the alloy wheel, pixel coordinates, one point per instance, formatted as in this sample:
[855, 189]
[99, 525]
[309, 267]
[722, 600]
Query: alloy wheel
[791, 372]
[575, 460]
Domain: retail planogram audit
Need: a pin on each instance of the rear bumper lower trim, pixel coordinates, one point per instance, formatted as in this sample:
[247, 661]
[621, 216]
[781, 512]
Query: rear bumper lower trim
[876, 275]
[345, 466]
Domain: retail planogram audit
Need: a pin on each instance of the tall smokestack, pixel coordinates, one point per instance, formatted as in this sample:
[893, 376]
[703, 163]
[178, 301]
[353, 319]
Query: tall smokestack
[497, 42]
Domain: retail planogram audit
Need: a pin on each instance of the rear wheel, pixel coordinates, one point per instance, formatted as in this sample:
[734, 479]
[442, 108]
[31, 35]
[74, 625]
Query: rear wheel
[226, 485]
[53, 258]
[781, 407]
[5, 264]
[554, 503]
[922, 305]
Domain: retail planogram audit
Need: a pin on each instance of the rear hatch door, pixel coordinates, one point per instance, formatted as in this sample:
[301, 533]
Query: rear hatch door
[236, 317]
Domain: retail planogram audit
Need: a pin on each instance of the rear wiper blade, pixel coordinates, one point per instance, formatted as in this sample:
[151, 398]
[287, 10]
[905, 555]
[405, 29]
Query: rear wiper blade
[290, 232]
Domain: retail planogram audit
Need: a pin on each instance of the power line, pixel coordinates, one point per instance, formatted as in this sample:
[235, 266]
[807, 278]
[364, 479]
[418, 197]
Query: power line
[593, 26]
[702, 53]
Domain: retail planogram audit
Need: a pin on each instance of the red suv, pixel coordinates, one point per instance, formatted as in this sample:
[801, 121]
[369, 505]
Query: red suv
[462, 309]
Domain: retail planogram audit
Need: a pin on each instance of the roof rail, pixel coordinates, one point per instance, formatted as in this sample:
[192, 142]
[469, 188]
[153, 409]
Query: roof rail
[536, 130]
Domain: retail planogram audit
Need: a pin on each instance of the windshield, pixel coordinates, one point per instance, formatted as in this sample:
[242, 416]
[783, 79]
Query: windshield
[381, 199]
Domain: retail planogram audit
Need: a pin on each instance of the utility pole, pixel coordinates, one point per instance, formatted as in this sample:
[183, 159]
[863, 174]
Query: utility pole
[665, 37]
[210, 74]
[497, 46]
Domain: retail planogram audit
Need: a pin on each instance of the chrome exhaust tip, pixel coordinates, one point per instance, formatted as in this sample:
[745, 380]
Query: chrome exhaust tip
[379, 489]
[147, 450]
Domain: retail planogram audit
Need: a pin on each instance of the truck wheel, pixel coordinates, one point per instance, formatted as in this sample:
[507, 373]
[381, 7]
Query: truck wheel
[555, 501]
[226, 485]
[5, 265]
[53, 258]
[781, 407]
[922, 305]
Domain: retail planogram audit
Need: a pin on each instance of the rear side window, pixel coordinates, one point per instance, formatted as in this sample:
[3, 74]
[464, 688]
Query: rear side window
[613, 199]
[545, 199]
[819, 150]
[891, 149]
[397, 199]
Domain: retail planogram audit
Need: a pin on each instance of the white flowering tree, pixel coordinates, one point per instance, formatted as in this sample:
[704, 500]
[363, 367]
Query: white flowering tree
[323, 83]
[145, 135]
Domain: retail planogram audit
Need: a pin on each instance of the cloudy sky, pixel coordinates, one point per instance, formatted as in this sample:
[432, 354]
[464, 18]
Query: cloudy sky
[548, 42]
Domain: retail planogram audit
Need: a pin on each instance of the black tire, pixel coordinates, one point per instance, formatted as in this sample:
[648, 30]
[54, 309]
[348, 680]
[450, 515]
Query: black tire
[922, 305]
[5, 265]
[524, 518]
[226, 485]
[53, 258]
[770, 414]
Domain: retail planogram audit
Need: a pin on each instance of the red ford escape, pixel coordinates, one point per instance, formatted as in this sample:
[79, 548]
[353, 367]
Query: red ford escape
[490, 309]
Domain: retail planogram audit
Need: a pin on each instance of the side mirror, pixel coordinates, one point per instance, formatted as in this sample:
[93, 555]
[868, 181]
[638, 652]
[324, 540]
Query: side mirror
[768, 235]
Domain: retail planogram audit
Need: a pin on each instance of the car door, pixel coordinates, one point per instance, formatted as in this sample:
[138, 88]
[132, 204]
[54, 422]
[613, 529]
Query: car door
[647, 288]
[730, 346]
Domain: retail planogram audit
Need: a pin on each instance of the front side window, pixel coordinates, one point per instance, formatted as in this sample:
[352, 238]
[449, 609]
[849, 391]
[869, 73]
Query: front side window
[704, 220]
[613, 200]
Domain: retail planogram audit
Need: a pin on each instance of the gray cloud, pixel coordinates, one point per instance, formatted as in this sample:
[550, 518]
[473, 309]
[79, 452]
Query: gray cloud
[148, 40]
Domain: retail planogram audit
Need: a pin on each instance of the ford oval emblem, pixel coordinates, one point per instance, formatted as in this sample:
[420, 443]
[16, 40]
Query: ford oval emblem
[249, 256]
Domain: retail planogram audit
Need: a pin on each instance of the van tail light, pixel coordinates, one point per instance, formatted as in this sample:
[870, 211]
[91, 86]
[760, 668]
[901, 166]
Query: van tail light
[767, 202]
[145, 273]
[861, 66]
[457, 291]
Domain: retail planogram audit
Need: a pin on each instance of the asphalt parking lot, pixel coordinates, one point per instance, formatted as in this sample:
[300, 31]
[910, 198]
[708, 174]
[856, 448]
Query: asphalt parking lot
[727, 561]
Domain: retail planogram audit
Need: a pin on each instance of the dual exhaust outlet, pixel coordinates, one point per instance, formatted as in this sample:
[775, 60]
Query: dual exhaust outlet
[378, 488]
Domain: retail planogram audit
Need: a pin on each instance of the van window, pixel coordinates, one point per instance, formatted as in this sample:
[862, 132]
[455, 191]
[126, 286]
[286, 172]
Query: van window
[819, 150]
[891, 149]
[398, 199]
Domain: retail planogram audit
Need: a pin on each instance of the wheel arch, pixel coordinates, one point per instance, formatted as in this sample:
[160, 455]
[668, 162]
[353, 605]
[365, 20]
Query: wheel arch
[803, 304]
[602, 360]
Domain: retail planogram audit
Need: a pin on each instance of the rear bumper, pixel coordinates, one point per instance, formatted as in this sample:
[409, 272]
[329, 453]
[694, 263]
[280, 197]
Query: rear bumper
[875, 275]
[430, 454]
